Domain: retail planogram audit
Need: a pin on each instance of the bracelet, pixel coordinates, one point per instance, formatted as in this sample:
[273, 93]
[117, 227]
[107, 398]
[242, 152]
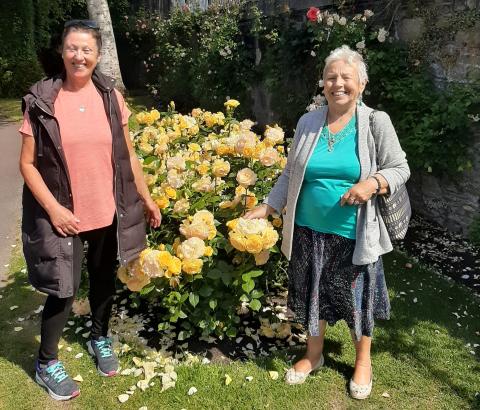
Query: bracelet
[379, 185]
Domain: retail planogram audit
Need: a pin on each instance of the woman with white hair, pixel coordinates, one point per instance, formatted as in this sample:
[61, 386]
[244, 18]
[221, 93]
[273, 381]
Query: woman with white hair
[342, 157]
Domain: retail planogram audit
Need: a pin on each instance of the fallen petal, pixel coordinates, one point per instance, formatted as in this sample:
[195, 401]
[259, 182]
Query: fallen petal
[18, 328]
[385, 394]
[123, 398]
[78, 355]
[228, 379]
[273, 374]
[78, 378]
[249, 378]
[192, 391]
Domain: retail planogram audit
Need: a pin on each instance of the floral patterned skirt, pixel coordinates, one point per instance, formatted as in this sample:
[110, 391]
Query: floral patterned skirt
[323, 284]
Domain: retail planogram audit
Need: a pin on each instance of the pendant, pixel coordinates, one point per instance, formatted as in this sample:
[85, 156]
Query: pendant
[330, 144]
[82, 108]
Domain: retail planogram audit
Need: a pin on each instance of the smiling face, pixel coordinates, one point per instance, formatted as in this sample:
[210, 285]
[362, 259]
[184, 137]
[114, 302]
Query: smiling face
[80, 55]
[342, 84]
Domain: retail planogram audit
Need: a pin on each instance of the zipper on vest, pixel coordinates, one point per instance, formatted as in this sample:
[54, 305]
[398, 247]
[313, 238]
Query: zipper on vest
[122, 261]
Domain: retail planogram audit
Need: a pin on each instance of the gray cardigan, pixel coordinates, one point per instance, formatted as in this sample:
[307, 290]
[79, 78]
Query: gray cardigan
[371, 237]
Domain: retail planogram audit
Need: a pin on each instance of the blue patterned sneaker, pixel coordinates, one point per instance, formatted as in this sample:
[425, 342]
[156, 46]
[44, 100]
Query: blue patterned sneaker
[101, 349]
[56, 381]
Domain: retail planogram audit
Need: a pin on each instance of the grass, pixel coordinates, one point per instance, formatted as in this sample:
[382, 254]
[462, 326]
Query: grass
[10, 109]
[420, 359]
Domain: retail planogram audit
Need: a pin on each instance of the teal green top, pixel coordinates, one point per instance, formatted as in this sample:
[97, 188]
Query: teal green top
[328, 175]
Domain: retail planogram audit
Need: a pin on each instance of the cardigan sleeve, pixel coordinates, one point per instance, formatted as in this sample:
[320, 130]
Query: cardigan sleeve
[277, 198]
[391, 159]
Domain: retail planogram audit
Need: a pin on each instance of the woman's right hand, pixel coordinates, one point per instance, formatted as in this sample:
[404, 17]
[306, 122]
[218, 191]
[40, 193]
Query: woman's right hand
[261, 211]
[64, 221]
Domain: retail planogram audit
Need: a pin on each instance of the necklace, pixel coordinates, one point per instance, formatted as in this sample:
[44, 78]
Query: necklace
[331, 139]
[82, 108]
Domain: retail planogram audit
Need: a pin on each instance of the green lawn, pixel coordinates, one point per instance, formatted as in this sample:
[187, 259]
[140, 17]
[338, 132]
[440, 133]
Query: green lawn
[421, 359]
[10, 109]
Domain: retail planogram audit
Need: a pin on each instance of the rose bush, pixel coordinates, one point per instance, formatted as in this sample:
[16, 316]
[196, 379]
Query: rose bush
[204, 170]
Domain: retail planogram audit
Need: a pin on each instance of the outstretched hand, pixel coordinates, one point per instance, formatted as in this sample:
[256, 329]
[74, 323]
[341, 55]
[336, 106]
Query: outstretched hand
[261, 211]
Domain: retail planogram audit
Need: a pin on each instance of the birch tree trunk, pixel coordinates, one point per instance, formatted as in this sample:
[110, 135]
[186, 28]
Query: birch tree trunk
[98, 10]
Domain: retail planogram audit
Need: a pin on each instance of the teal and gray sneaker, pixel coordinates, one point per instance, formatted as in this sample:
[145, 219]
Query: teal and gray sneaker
[101, 350]
[56, 381]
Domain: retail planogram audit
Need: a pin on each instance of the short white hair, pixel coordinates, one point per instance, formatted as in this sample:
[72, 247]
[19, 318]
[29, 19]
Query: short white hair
[355, 59]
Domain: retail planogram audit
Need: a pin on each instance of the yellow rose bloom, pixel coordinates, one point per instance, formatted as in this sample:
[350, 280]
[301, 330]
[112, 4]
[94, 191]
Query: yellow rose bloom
[175, 244]
[194, 147]
[196, 112]
[162, 202]
[269, 238]
[246, 177]
[203, 168]
[164, 258]
[231, 103]
[220, 168]
[277, 222]
[237, 241]
[250, 201]
[155, 115]
[122, 274]
[170, 192]
[253, 243]
[208, 251]
[232, 224]
[174, 265]
[192, 266]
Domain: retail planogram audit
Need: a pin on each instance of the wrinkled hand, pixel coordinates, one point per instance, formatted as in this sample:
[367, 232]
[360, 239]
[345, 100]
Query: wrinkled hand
[261, 211]
[152, 214]
[359, 193]
[64, 221]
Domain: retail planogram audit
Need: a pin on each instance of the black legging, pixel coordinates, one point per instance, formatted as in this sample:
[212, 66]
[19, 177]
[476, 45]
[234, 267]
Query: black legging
[101, 265]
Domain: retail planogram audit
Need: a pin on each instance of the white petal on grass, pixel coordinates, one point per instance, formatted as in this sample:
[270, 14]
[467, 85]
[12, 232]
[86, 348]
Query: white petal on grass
[86, 334]
[249, 346]
[205, 360]
[39, 309]
[88, 324]
[228, 379]
[20, 319]
[273, 374]
[137, 372]
[249, 378]
[78, 329]
[69, 349]
[385, 394]
[415, 300]
[122, 398]
[78, 378]
[71, 322]
[78, 355]
[18, 328]
[13, 307]
[143, 408]
[192, 391]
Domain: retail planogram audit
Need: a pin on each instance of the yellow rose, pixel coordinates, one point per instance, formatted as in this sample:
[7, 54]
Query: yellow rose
[196, 112]
[170, 192]
[138, 282]
[231, 103]
[176, 243]
[208, 251]
[232, 224]
[194, 147]
[246, 177]
[164, 258]
[250, 201]
[192, 248]
[192, 266]
[269, 238]
[174, 265]
[273, 135]
[181, 206]
[220, 168]
[203, 168]
[254, 243]
[277, 222]
[269, 157]
[155, 115]
[145, 148]
[122, 274]
[162, 202]
[237, 241]
[150, 179]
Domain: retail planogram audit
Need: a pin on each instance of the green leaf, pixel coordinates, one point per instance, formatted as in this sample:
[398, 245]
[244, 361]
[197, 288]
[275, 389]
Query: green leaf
[231, 332]
[184, 297]
[248, 286]
[212, 303]
[149, 160]
[147, 289]
[214, 273]
[182, 315]
[193, 298]
[227, 278]
[205, 291]
[256, 294]
[255, 305]
[244, 298]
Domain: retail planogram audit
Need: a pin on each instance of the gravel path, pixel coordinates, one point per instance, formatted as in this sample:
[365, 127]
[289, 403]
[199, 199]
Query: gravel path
[10, 193]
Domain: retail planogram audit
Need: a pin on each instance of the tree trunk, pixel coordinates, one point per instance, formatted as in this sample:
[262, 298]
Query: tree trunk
[98, 10]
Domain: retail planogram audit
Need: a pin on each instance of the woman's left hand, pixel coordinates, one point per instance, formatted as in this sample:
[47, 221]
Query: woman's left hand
[152, 214]
[359, 193]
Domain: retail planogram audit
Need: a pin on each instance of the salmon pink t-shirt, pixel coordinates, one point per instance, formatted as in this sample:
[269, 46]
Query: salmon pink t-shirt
[87, 144]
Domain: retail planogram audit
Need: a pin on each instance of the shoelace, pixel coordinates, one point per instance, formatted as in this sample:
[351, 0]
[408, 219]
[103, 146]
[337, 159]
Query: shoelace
[57, 371]
[104, 346]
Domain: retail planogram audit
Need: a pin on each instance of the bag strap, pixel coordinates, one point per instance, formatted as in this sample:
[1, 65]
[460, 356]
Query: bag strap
[371, 120]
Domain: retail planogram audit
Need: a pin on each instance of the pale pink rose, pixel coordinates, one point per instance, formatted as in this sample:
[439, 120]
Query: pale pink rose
[269, 157]
[175, 179]
[192, 248]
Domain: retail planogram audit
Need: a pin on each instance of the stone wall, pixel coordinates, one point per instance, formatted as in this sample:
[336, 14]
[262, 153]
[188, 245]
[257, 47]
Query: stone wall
[453, 203]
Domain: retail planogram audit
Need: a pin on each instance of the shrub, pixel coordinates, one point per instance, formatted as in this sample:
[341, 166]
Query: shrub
[204, 170]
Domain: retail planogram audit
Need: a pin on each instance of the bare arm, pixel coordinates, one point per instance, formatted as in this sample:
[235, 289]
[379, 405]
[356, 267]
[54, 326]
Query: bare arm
[62, 218]
[154, 216]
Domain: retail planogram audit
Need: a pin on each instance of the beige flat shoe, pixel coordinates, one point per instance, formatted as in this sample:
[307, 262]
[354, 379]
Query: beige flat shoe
[294, 377]
[361, 391]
